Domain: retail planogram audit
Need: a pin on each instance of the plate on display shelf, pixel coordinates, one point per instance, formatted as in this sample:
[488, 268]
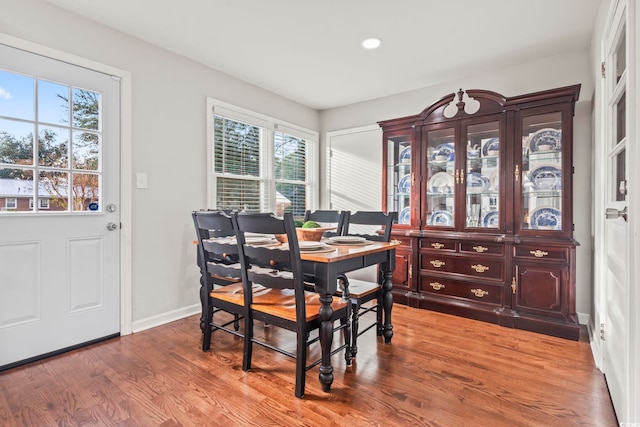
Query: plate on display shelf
[404, 185]
[441, 218]
[405, 155]
[547, 139]
[492, 145]
[444, 151]
[476, 182]
[440, 182]
[545, 218]
[405, 216]
[546, 177]
[494, 180]
[491, 219]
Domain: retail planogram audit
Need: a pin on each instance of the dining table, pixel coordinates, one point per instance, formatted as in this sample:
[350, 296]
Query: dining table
[326, 266]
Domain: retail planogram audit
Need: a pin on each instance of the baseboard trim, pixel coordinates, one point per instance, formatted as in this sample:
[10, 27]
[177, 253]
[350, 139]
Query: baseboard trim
[162, 318]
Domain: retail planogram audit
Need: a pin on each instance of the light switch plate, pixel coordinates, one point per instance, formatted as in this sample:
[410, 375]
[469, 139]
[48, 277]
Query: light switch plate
[141, 180]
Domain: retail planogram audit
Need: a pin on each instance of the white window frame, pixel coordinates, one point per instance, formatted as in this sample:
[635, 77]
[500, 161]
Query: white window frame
[270, 125]
[15, 203]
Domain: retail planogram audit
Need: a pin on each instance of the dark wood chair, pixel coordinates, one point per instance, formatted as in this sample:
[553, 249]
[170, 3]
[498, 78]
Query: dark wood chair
[220, 272]
[283, 301]
[374, 226]
[328, 218]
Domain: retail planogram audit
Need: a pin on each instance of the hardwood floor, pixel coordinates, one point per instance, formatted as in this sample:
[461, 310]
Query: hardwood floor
[453, 372]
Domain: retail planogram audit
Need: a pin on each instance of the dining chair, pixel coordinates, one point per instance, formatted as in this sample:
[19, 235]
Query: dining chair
[373, 226]
[283, 301]
[328, 218]
[220, 272]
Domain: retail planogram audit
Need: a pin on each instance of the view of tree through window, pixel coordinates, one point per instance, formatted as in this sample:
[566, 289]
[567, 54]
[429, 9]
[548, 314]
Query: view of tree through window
[259, 170]
[49, 131]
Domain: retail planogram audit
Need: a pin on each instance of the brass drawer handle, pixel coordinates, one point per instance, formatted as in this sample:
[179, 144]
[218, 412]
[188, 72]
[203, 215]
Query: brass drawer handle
[437, 245]
[437, 263]
[436, 285]
[480, 249]
[479, 268]
[538, 253]
[479, 292]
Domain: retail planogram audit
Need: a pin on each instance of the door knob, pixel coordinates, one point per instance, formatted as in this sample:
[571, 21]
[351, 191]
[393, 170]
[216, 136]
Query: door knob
[112, 226]
[613, 213]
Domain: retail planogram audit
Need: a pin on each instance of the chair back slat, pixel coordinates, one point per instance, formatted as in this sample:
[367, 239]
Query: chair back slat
[269, 257]
[217, 247]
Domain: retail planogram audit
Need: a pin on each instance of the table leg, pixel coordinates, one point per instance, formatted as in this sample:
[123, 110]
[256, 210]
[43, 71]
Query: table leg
[326, 339]
[387, 305]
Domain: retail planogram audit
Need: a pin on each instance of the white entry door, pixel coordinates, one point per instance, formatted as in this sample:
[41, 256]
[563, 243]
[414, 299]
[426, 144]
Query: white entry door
[59, 206]
[615, 307]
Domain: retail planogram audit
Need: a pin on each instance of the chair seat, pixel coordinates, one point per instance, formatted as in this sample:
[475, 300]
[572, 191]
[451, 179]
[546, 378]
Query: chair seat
[281, 303]
[276, 302]
[361, 288]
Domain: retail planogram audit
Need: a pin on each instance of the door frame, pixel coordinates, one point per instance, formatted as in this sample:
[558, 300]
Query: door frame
[125, 160]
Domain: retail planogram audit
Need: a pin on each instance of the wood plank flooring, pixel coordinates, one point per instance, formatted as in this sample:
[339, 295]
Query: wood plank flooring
[440, 370]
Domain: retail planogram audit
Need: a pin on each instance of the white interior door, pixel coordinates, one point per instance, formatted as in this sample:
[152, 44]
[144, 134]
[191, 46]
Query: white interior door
[615, 286]
[59, 191]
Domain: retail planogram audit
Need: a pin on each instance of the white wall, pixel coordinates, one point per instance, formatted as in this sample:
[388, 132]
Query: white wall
[168, 143]
[562, 70]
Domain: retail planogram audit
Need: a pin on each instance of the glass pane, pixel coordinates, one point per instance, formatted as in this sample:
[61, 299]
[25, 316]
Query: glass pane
[53, 147]
[399, 177]
[440, 174]
[86, 151]
[621, 178]
[541, 174]
[236, 147]
[56, 186]
[16, 96]
[16, 190]
[16, 142]
[621, 55]
[53, 103]
[483, 175]
[291, 198]
[86, 109]
[86, 190]
[238, 194]
[621, 118]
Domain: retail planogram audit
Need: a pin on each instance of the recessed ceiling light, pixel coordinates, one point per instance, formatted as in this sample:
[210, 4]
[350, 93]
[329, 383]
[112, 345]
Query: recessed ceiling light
[371, 43]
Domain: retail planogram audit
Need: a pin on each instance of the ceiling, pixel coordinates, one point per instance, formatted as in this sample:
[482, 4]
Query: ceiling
[310, 52]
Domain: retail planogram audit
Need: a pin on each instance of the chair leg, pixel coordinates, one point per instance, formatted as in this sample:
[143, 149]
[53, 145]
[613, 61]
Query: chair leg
[236, 322]
[346, 332]
[355, 306]
[207, 311]
[301, 364]
[248, 343]
[379, 326]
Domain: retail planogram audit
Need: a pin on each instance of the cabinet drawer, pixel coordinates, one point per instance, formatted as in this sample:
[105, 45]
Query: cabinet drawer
[540, 252]
[490, 294]
[486, 268]
[482, 248]
[438, 244]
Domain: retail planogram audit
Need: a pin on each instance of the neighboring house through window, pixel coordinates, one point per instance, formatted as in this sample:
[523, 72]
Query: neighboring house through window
[257, 164]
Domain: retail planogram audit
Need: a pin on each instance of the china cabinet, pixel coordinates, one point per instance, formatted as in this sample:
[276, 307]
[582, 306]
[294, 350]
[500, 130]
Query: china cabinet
[482, 184]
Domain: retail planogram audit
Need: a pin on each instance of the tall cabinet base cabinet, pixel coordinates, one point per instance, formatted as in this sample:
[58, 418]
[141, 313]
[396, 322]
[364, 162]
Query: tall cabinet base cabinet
[483, 187]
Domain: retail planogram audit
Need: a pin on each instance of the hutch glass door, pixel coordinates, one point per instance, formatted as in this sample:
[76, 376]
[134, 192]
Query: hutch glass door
[442, 177]
[399, 177]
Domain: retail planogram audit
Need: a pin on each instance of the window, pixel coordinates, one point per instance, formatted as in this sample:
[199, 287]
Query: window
[11, 203]
[258, 165]
[44, 204]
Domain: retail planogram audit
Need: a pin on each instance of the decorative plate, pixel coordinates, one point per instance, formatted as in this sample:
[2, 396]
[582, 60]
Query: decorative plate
[546, 178]
[476, 183]
[545, 218]
[546, 139]
[441, 218]
[404, 185]
[444, 149]
[347, 239]
[494, 180]
[405, 216]
[405, 155]
[491, 219]
[492, 144]
[441, 182]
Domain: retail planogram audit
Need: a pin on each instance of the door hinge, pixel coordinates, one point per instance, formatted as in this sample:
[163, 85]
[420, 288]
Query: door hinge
[602, 331]
[603, 68]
